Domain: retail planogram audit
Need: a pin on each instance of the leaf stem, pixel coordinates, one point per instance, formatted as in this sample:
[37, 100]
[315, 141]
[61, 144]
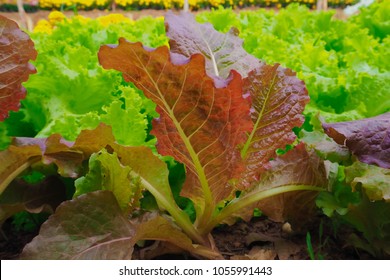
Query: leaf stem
[177, 214]
[239, 203]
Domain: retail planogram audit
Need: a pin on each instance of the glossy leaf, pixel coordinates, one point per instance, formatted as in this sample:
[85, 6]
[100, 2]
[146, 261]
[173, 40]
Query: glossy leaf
[200, 123]
[368, 139]
[16, 49]
[278, 100]
[223, 52]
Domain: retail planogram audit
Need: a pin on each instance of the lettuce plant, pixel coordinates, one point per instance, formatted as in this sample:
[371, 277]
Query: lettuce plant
[222, 113]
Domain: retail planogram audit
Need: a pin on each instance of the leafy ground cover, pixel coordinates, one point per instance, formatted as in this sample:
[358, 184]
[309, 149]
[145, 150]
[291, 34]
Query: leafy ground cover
[201, 133]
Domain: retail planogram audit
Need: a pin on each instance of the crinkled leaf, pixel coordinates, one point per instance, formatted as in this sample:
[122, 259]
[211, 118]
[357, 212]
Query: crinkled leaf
[107, 173]
[200, 123]
[368, 139]
[373, 179]
[278, 100]
[16, 49]
[79, 231]
[296, 167]
[223, 52]
[34, 198]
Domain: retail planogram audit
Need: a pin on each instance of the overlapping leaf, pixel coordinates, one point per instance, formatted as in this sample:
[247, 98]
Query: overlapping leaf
[200, 124]
[278, 100]
[368, 139]
[102, 232]
[296, 167]
[278, 97]
[16, 49]
[223, 52]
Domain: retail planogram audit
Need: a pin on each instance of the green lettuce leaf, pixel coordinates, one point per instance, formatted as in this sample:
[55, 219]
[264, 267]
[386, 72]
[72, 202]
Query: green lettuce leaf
[107, 173]
[372, 179]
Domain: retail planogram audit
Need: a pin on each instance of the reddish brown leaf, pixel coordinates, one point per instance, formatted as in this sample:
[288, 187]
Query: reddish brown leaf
[200, 124]
[16, 49]
[278, 100]
[79, 231]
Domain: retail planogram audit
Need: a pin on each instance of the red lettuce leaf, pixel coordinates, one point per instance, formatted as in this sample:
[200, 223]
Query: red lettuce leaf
[223, 52]
[16, 49]
[368, 139]
[200, 123]
[278, 100]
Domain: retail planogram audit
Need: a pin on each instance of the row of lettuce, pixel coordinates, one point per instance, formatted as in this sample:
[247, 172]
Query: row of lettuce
[32, 5]
[345, 65]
